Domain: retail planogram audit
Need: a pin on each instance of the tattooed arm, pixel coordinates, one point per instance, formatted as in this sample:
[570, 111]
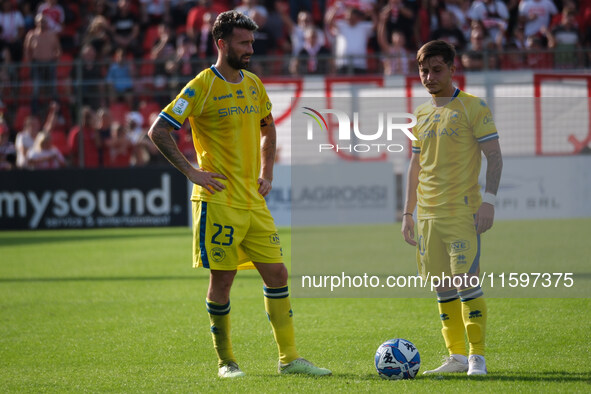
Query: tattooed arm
[268, 150]
[160, 135]
[494, 166]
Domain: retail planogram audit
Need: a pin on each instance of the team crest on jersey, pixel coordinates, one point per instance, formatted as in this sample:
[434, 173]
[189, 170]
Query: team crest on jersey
[253, 92]
[218, 254]
[180, 106]
[454, 117]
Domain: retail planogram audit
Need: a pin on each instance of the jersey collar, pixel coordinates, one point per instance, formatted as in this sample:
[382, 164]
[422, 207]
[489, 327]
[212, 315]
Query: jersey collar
[456, 93]
[219, 75]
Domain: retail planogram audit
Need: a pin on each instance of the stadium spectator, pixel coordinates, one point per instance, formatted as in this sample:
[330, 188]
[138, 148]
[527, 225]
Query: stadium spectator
[120, 78]
[401, 17]
[163, 52]
[155, 12]
[296, 30]
[566, 41]
[125, 28]
[473, 59]
[7, 148]
[204, 40]
[313, 58]
[26, 9]
[428, 19]
[536, 14]
[26, 138]
[69, 36]
[537, 55]
[494, 15]
[12, 29]
[118, 147]
[103, 131]
[459, 9]
[396, 58]
[196, 16]
[247, 7]
[90, 142]
[137, 136]
[87, 80]
[9, 71]
[42, 49]
[448, 31]
[55, 15]
[98, 35]
[352, 35]
[264, 42]
[44, 155]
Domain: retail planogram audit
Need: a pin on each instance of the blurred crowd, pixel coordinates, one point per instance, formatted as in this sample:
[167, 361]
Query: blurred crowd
[81, 81]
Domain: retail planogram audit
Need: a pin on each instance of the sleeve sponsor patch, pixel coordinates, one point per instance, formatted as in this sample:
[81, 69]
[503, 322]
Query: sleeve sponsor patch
[180, 106]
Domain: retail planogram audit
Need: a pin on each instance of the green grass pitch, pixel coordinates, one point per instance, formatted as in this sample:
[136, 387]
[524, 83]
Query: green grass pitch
[121, 310]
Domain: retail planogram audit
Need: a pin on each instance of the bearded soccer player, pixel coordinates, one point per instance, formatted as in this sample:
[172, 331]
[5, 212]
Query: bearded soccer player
[452, 130]
[234, 136]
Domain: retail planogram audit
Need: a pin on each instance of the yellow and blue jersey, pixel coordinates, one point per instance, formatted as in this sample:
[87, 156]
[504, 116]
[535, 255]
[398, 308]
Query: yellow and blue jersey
[447, 142]
[225, 122]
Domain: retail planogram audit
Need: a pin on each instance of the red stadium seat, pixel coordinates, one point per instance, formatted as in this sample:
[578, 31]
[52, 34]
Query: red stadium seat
[64, 66]
[150, 38]
[146, 109]
[21, 114]
[119, 111]
[60, 140]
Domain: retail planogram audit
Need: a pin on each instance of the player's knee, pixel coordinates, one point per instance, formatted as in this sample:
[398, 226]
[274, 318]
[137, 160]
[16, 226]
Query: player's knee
[274, 275]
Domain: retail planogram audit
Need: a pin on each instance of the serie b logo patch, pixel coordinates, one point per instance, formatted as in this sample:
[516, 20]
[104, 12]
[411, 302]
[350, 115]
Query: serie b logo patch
[180, 106]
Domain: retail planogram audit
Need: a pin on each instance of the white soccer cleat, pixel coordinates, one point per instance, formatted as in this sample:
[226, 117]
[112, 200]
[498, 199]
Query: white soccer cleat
[304, 367]
[476, 365]
[230, 370]
[452, 364]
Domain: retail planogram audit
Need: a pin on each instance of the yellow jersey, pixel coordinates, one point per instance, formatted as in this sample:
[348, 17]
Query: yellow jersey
[225, 122]
[447, 143]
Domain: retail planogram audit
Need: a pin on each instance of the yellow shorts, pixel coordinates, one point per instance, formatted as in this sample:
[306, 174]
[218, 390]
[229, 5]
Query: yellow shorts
[226, 238]
[448, 245]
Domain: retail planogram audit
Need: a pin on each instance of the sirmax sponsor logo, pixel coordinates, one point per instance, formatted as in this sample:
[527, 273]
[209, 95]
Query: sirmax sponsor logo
[83, 203]
[247, 109]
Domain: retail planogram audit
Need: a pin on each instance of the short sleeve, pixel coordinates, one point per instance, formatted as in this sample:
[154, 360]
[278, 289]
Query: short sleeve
[483, 124]
[185, 104]
[265, 102]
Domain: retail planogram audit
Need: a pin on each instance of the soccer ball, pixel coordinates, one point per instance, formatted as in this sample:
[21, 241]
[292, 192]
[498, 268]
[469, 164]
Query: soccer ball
[397, 359]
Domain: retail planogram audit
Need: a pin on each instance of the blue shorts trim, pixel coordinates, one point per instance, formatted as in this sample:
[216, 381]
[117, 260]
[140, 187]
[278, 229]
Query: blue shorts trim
[202, 227]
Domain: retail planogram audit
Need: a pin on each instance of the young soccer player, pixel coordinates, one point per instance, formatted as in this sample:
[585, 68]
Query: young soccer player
[452, 130]
[230, 116]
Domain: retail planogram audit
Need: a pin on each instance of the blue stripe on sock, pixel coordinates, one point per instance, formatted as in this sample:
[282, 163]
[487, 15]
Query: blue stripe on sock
[280, 292]
[202, 227]
[215, 309]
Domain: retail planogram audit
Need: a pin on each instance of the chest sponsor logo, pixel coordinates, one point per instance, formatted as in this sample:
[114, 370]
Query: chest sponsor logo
[238, 110]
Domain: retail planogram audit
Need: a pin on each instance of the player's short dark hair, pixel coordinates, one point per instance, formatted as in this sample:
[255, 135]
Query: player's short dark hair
[226, 22]
[437, 48]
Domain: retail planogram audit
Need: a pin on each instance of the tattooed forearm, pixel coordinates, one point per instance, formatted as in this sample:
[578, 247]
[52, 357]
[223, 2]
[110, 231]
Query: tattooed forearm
[269, 147]
[266, 120]
[494, 165]
[160, 135]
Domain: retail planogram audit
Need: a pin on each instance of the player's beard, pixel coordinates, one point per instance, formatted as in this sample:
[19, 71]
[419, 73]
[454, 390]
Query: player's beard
[236, 61]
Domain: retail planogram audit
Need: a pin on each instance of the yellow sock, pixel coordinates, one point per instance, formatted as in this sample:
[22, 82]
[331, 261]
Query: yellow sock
[278, 307]
[450, 312]
[474, 313]
[219, 318]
